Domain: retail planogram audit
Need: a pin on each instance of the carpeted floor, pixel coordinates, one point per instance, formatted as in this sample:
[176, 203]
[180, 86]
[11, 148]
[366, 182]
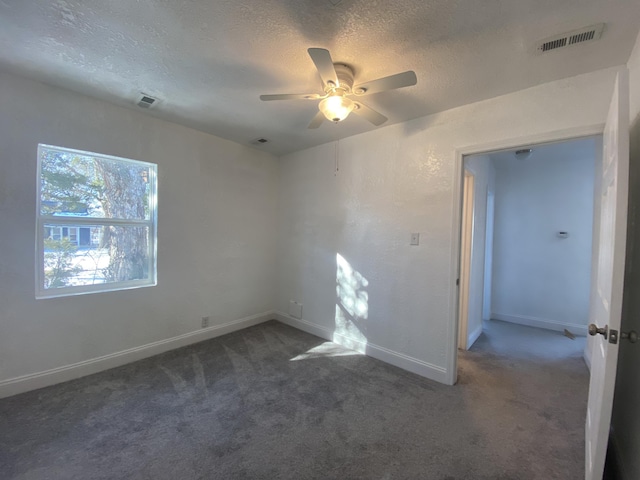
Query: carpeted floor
[271, 402]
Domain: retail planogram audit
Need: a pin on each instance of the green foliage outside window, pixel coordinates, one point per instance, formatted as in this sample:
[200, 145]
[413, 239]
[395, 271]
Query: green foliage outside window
[58, 262]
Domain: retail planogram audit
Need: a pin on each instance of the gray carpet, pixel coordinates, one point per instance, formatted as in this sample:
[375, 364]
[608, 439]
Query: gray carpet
[240, 407]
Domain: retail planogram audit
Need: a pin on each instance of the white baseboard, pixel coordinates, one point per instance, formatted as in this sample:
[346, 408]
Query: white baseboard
[541, 323]
[25, 383]
[474, 336]
[411, 364]
[305, 326]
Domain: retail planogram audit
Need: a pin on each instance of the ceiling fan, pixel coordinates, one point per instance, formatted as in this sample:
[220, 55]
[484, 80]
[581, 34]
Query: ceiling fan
[337, 80]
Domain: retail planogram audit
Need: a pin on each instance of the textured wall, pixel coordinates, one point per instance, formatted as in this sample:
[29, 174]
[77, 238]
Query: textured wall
[391, 182]
[216, 235]
[626, 421]
[217, 238]
[538, 278]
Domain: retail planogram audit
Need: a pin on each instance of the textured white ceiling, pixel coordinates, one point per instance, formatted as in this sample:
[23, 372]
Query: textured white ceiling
[209, 60]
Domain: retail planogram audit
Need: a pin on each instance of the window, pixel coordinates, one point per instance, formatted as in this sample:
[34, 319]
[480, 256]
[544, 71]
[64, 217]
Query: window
[96, 223]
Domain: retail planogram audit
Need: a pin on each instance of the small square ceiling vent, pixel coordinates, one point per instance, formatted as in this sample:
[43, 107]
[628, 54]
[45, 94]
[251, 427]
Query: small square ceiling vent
[146, 101]
[582, 35]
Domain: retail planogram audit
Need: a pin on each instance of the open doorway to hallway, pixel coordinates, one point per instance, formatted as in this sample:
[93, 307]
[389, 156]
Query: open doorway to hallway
[526, 248]
[527, 233]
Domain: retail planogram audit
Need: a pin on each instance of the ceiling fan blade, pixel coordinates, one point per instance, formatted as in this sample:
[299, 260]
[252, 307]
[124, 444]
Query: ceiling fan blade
[317, 120]
[369, 114]
[291, 96]
[399, 80]
[322, 60]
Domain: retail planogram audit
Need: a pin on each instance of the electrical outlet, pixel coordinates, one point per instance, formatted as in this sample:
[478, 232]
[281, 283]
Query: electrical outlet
[205, 322]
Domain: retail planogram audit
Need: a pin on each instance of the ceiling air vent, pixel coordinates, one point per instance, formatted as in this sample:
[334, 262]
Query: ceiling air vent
[582, 35]
[259, 141]
[146, 101]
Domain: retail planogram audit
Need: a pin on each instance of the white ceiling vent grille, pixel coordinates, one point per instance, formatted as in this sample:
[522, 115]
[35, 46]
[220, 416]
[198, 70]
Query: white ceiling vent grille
[146, 101]
[582, 35]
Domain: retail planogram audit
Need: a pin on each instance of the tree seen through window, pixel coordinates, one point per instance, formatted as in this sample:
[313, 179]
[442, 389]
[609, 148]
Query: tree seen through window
[96, 219]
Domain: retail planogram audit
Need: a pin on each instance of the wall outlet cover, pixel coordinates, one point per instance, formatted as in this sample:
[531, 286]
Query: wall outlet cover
[415, 239]
[205, 322]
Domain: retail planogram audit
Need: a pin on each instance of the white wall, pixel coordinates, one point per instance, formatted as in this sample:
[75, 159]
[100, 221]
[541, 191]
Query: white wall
[391, 182]
[484, 174]
[626, 421]
[216, 234]
[538, 278]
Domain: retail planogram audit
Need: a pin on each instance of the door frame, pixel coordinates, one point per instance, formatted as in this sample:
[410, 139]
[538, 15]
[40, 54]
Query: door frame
[466, 253]
[488, 254]
[451, 375]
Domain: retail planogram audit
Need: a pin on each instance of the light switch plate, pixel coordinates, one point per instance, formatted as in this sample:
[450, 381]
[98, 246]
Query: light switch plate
[415, 239]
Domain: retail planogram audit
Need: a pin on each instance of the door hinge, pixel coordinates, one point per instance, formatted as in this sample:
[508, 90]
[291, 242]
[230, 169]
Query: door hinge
[457, 282]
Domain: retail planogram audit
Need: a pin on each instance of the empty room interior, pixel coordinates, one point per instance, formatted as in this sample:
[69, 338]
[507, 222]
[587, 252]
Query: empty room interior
[319, 239]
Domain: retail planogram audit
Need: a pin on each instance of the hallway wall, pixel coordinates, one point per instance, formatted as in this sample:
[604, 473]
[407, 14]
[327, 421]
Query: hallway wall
[540, 279]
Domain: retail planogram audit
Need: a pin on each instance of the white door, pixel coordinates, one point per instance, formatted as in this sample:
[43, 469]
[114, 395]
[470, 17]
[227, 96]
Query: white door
[488, 257]
[465, 259]
[606, 305]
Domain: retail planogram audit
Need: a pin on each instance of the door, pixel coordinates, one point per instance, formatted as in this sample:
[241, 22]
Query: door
[606, 305]
[465, 258]
[488, 257]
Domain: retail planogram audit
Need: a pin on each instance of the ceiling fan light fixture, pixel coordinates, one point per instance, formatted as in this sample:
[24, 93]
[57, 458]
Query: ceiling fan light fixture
[338, 86]
[336, 107]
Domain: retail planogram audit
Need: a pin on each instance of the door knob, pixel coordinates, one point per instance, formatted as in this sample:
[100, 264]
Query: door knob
[632, 336]
[594, 330]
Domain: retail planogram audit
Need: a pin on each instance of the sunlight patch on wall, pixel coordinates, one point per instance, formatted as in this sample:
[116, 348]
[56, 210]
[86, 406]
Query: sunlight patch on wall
[327, 349]
[352, 306]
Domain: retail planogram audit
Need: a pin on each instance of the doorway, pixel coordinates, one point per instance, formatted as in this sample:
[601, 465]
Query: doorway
[526, 243]
[608, 263]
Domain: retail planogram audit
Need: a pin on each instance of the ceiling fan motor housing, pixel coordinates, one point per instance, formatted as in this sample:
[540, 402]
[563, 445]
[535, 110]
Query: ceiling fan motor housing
[345, 77]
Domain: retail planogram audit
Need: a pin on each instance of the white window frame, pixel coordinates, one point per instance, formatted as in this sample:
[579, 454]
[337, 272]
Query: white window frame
[41, 220]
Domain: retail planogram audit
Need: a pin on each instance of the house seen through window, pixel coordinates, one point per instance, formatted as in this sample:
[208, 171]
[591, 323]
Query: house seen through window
[96, 223]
